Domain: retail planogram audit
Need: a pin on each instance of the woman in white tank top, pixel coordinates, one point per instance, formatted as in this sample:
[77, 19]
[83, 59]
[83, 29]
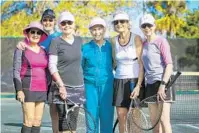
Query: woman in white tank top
[127, 49]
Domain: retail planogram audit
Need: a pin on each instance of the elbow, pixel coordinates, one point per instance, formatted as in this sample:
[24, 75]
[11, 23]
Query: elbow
[52, 69]
[169, 67]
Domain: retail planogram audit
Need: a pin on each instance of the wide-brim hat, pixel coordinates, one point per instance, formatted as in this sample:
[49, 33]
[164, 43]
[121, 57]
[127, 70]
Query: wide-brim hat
[37, 25]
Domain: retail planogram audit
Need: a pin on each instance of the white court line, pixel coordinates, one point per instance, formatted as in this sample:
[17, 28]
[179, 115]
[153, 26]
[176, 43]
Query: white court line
[188, 125]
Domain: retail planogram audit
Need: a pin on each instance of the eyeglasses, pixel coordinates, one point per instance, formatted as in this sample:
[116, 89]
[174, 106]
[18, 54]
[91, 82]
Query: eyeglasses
[146, 25]
[37, 32]
[45, 20]
[63, 23]
[119, 21]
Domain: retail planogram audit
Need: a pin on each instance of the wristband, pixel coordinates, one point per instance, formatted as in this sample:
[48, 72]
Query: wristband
[163, 82]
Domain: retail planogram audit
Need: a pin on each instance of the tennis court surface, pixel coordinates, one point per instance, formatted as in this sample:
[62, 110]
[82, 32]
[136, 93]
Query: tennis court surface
[184, 112]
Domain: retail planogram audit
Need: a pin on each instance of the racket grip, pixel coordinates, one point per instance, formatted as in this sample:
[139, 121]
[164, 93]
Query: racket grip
[135, 59]
[131, 104]
[173, 79]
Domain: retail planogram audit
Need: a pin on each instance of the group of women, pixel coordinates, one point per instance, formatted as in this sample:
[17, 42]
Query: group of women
[83, 73]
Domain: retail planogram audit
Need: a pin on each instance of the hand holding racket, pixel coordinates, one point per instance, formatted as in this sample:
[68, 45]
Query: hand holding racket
[161, 95]
[140, 112]
[79, 120]
[62, 92]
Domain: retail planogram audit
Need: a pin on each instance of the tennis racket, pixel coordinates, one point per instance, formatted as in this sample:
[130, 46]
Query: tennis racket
[140, 111]
[85, 122]
[79, 118]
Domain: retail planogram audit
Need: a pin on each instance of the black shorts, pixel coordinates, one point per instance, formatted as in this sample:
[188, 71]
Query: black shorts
[152, 89]
[122, 92]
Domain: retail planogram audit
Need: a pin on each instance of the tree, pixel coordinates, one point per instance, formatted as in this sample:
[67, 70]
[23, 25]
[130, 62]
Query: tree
[169, 15]
[191, 28]
[82, 10]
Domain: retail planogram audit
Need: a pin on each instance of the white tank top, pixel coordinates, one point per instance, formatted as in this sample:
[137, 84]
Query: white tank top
[124, 56]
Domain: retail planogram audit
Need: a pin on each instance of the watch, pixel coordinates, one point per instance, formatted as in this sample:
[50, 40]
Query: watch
[163, 82]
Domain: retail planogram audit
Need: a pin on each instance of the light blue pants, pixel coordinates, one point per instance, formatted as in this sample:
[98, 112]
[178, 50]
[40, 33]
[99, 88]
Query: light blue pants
[99, 103]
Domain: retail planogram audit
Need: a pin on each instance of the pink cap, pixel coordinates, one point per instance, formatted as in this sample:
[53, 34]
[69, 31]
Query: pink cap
[66, 16]
[97, 21]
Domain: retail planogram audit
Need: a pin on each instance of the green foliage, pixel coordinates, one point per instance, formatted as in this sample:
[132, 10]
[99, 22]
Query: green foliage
[175, 19]
[191, 29]
[171, 19]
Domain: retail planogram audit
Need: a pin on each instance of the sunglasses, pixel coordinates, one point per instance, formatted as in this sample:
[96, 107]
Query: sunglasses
[36, 32]
[119, 21]
[63, 23]
[146, 25]
[45, 20]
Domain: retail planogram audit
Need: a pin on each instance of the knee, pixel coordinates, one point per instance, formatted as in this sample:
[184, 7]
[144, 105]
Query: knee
[29, 122]
[121, 114]
[36, 123]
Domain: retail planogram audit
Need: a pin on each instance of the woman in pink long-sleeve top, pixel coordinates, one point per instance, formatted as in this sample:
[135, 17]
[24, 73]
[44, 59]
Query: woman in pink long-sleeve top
[29, 75]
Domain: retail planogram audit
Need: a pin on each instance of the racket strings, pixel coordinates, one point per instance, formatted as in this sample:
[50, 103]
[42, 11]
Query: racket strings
[142, 114]
[132, 116]
[85, 122]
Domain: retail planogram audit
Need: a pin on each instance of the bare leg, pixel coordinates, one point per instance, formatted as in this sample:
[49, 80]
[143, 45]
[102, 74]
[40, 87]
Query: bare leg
[153, 111]
[39, 109]
[28, 113]
[165, 118]
[122, 114]
[54, 118]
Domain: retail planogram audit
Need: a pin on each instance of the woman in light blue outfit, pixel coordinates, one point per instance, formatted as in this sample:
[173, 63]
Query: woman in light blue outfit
[98, 76]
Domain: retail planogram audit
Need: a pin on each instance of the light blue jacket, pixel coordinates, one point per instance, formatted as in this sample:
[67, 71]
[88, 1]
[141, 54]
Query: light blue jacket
[97, 62]
[46, 43]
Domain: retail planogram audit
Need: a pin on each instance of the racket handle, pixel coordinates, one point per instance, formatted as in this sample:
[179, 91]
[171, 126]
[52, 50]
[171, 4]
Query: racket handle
[135, 59]
[173, 79]
[131, 104]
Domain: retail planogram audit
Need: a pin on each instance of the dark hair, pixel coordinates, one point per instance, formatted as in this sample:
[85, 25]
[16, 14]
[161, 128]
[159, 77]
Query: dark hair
[28, 30]
[48, 13]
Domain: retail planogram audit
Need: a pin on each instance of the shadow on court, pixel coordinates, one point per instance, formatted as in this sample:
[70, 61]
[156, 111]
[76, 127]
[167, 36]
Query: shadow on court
[13, 124]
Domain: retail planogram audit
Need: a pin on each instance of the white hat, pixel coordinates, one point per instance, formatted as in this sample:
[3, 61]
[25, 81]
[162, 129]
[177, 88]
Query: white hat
[147, 19]
[66, 16]
[121, 16]
[97, 21]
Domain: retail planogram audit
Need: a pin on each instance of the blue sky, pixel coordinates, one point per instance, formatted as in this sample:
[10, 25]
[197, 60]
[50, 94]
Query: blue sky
[193, 4]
